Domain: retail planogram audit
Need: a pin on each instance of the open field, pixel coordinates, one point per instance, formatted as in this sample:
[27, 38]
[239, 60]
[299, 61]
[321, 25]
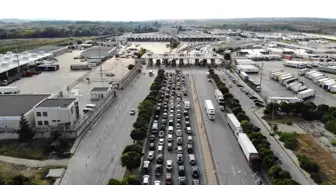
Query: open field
[19, 45]
[8, 170]
[307, 145]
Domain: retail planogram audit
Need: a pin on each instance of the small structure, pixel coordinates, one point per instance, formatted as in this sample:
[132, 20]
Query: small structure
[56, 112]
[98, 93]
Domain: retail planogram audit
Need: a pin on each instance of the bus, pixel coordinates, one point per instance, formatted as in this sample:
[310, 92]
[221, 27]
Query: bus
[210, 109]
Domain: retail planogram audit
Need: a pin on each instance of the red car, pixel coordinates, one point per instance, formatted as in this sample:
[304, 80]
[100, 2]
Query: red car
[169, 178]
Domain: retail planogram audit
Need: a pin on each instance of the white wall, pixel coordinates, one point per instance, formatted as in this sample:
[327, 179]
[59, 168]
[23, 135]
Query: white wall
[64, 115]
[94, 95]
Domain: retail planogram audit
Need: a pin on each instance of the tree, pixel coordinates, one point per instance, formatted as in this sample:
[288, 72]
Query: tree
[130, 67]
[138, 134]
[131, 180]
[287, 182]
[130, 160]
[133, 148]
[114, 182]
[308, 164]
[25, 132]
[270, 161]
[289, 139]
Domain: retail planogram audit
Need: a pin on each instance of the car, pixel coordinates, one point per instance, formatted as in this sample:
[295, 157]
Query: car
[182, 181]
[178, 120]
[170, 137]
[151, 155]
[179, 158]
[187, 123]
[151, 146]
[171, 122]
[190, 148]
[157, 182]
[185, 113]
[161, 141]
[181, 170]
[165, 115]
[187, 118]
[158, 170]
[132, 112]
[145, 179]
[188, 130]
[178, 126]
[169, 179]
[222, 108]
[178, 133]
[195, 182]
[145, 167]
[179, 140]
[192, 159]
[159, 159]
[194, 172]
[179, 149]
[171, 116]
[169, 146]
[169, 165]
[152, 137]
[161, 134]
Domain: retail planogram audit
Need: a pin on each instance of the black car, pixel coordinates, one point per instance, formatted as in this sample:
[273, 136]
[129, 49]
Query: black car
[152, 137]
[195, 172]
[158, 170]
[181, 171]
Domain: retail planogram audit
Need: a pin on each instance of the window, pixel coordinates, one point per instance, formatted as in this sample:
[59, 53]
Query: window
[45, 114]
[39, 122]
[53, 120]
[38, 114]
[71, 110]
[58, 120]
[46, 122]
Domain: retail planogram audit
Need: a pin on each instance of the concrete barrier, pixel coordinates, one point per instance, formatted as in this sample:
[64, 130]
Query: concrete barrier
[129, 76]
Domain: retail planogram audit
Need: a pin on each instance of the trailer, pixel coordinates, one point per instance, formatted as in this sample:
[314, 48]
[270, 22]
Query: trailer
[310, 72]
[333, 89]
[319, 82]
[244, 76]
[303, 71]
[254, 85]
[295, 64]
[296, 86]
[300, 88]
[276, 75]
[275, 72]
[250, 152]
[287, 99]
[234, 124]
[327, 82]
[81, 66]
[308, 93]
[210, 109]
[328, 86]
[316, 75]
[289, 80]
[318, 78]
[48, 67]
[282, 79]
[288, 86]
[219, 96]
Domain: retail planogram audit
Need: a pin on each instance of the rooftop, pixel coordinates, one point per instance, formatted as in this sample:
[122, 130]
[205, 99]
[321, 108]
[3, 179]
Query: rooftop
[96, 51]
[15, 105]
[100, 88]
[58, 102]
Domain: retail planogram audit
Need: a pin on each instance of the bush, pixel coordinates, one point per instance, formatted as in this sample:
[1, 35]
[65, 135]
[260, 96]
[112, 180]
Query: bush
[289, 140]
[333, 142]
[308, 164]
[236, 110]
[228, 96]
[241, 116]
[317, 177]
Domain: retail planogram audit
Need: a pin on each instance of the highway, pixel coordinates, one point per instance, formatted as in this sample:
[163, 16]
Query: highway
[248, 105]
[98, 157]
[230, 163]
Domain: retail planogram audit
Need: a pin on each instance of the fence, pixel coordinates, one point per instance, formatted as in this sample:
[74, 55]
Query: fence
[73, 84]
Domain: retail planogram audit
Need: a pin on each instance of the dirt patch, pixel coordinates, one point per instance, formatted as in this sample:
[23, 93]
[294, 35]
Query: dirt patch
[308, 146]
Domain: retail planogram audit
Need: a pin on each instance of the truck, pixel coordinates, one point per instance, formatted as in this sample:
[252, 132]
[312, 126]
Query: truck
[328, 86]
[287, 99]
[303, 71]
[80, 66]
[316, 75]
[327, 82]
[275, 72]
[250, 152]
[277, 75]
[310, 72]
[300, 88]
[319, 82]
[234, 124]
[318, 78]
[288, 86]
[283, 78]
[10, 90]
[244, 76]
[219, 96]
[210, 109]
[289, 80]
[308, 93]
[48, 67]
[333, 89]
[254, 85]
[296, 86]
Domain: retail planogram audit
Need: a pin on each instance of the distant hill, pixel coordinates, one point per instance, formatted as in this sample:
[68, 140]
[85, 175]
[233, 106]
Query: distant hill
[13, 20]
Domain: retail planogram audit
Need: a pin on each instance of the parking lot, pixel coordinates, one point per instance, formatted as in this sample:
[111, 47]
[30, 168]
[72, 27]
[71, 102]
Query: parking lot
[172, 138]
[155, 47]
[270, 87]
[52, 81]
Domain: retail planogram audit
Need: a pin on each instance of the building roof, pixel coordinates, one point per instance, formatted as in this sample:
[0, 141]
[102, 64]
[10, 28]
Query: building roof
[57, 102]
[100, 88]
[15, 105]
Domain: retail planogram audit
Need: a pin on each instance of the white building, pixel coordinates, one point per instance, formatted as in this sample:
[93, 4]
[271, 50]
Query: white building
[56, 112]
[98, 93]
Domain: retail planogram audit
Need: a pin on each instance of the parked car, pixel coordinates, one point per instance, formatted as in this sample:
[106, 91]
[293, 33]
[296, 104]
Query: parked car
[132, 112]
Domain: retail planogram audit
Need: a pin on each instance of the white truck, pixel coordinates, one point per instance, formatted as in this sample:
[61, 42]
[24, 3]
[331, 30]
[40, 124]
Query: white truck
[299, 89]
[219, 96]
[303, 71]
[289, 80]
[244, 76]
[210, 109]
[281, 79]
[333, 89]
[308, 93]
[328, 85]
[319, 82]
[296, 86]
[274, 72]
[9, 90]
[250, 152]
[234, 124]
[318, 78]
[310, 72]
[327, 82]
[288, 86]
[316, 75]
[276, 76]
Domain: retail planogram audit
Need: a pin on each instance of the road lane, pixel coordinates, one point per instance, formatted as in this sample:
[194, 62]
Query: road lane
[97, 159]
[231, 165]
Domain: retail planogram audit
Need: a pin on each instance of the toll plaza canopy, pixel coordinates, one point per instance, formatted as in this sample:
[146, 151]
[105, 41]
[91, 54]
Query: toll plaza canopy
[181, 56]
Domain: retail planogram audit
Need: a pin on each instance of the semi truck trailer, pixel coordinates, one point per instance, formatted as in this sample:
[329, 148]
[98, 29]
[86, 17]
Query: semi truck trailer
[308, 93]
[234, 124]
[250, 152]
[219, 96]
[80, 66]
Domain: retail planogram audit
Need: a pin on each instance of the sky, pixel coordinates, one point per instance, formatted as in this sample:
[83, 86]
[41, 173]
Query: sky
[138, 10]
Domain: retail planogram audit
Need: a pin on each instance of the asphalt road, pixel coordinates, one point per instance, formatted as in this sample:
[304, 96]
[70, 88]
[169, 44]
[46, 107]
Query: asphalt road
[230, 163]
[98, 157]
[247, 105]
[171, 155]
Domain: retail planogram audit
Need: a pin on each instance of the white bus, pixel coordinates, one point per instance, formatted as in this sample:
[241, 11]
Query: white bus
[210, 109]
[9, 90]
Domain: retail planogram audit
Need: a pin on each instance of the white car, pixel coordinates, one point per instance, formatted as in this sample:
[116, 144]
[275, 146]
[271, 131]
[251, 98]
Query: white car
[179, 133]
[170, 137]
[150, 156]
[161, 141]
[169, 165]
[157, 182]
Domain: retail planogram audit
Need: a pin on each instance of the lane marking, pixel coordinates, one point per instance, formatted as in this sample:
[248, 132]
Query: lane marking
[233, 170]
[243, 169]
[243, 181]
[97, 179]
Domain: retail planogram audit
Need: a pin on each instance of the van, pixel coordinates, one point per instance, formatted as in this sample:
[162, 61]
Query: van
[90, 106]
[190, 140]
[155, 128]
[170, 130]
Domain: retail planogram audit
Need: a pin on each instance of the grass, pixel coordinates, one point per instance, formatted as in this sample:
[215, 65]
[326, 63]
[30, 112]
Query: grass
[37, 175]
[288, 120]
[37, 149]
[307, 145]
[20, 45]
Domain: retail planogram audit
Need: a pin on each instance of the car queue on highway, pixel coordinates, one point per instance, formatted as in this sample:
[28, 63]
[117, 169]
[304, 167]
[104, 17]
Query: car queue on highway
[171, 157]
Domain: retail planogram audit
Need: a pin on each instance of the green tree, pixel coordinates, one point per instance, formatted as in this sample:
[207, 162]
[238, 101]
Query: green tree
[114, 182]
[25, 132]
[323, 107]
[270, 161]
[131, 180]
[308, 164]
[130, 67]
[289, 140]
[130, 160]
[287, 182]
[138, 134]
[133, 148]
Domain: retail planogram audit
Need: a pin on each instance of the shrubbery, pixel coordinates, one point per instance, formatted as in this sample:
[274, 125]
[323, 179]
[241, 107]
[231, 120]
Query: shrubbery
[289, 140]
[267, 157]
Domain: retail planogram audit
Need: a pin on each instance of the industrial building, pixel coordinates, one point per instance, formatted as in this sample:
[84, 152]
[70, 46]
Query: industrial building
[98, 93]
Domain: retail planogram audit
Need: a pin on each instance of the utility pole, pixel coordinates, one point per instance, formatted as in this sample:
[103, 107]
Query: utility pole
[261, 73]
[100, 65]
